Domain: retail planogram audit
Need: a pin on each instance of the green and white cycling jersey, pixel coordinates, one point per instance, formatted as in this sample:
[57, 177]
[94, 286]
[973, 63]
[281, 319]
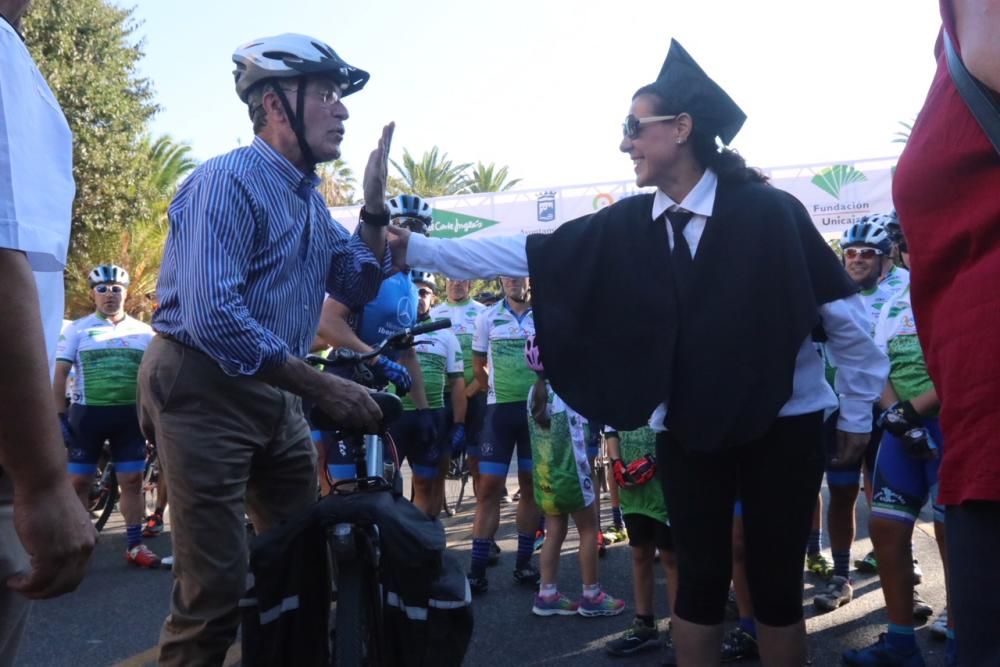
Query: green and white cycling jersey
[560, 470]
[648, 498]
[896, 335]
[500, 335]
[105, 358]
[440, 358]
[463, 324]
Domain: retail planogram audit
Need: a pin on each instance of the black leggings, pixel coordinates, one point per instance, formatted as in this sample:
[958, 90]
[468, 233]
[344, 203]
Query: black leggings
[972, 532]
[777, 478]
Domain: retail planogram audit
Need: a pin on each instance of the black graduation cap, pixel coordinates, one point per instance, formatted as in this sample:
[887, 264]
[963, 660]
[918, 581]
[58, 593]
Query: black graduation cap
[685, 87]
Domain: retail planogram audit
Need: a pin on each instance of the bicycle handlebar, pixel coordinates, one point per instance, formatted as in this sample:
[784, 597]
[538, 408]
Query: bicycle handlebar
[400, 340]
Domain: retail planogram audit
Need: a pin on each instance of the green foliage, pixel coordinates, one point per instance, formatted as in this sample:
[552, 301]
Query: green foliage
[337, 183]
[88, 53]
[903, 135]
[490, 178]
[433, 176]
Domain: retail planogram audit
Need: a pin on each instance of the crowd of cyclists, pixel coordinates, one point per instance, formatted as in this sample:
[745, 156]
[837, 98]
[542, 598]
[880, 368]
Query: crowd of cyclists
[480, 388]
[255, 276]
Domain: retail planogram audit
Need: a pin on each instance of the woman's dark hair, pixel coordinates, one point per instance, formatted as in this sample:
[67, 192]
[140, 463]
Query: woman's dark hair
[728, 165]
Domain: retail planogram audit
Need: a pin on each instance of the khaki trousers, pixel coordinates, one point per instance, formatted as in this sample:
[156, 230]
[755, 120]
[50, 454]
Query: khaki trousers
[228, 445]
[13, 559]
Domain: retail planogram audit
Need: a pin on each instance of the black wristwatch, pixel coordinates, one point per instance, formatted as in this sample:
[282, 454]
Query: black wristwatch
[375, 220]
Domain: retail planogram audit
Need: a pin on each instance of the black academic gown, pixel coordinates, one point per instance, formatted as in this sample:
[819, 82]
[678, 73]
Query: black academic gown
[617, 338]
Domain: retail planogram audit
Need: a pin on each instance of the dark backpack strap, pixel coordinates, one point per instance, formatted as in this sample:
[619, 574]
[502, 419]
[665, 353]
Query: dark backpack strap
[977, 97]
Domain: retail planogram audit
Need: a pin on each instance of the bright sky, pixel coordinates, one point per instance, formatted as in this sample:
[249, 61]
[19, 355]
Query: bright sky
[543, 85]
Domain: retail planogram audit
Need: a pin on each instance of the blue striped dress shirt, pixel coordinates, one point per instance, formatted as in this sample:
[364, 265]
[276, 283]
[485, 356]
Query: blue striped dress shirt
[250, 245]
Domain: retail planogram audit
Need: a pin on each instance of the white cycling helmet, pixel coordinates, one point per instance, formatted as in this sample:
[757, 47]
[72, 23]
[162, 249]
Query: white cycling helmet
[108, 273]
[867, 232]
[290, 56]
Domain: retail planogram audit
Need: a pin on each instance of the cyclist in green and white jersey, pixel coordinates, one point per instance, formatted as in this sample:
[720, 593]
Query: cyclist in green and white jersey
[439, 355]
[867, 249]
[104, 349]
[462, 310]
[499, 345]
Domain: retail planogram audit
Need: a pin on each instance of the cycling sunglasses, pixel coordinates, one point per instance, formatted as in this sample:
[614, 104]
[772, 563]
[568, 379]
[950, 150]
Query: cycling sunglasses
[114, 289]
[425, 292]
[864, 253]
[632, 125]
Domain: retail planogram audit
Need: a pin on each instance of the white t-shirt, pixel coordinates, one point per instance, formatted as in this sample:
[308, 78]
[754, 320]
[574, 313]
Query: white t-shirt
[36, 177]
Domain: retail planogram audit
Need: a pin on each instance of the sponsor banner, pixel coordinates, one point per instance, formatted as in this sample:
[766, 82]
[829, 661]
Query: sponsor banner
[835, 195]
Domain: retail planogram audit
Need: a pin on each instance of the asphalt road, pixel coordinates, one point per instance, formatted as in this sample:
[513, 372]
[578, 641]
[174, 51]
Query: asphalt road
[115, 616]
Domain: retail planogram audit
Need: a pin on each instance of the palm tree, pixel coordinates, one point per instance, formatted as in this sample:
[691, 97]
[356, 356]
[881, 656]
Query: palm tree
[139, 247]
[903, 135]
[170, 162]
[337, 183]
[434, 176]
[488, 178]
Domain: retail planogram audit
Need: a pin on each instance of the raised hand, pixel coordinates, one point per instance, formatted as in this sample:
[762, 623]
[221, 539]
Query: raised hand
[377, 173]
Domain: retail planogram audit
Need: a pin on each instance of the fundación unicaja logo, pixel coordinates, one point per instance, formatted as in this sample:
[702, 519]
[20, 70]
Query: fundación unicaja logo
[832, 179]
[841, 213]
[547, 206]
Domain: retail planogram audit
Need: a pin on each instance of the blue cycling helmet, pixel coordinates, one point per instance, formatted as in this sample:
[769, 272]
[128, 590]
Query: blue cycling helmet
[868, 231]
[108, 273]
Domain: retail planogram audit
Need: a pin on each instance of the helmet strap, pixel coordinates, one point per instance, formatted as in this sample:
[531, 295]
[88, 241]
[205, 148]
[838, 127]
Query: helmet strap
[297, 120]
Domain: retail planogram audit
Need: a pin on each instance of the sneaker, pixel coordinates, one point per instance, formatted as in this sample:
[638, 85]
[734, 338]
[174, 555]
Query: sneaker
[638, 637]
[738, 644]
[880, 654]
[154, 525]
[557, 605]
[539, 539]
[614, 535]
[141, 556]
[939, 628]
[527, 575]
[819, 565]
[167, 562]
[838, 593]
[868, 564]
[494, 556]
[918, 574]
[602, 546]
[601, 605]
[921, 610]
[478, 584]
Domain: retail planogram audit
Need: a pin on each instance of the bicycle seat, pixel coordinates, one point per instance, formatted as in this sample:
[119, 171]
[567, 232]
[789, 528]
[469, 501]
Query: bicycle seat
[390, 405]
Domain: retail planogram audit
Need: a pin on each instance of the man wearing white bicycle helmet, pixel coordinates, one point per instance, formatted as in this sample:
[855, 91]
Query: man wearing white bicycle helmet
[250, 248]
[105, 348]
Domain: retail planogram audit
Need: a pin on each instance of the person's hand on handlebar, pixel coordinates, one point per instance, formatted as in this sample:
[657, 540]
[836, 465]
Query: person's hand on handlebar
[394, 373]
[347, 403]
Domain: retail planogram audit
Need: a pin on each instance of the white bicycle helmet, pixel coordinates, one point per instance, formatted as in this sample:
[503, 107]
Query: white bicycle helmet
[867, 232]
[108, 273]
[290, 56]
[423, 278]
[410, 206]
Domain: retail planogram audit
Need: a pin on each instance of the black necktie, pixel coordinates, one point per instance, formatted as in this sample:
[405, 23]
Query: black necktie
[681, 254]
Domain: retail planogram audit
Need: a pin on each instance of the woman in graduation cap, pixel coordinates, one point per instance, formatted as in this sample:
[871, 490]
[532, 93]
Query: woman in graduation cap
[724, 282]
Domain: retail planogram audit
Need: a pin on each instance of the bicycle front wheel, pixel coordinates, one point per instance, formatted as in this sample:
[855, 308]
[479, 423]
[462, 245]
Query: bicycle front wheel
[454, 484]
[355, 642]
